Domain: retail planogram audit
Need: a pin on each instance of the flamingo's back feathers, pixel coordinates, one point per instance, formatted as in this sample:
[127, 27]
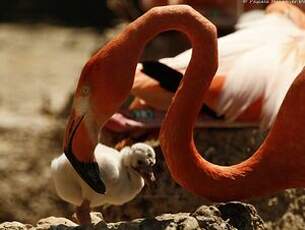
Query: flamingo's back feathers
[263, 67]
[259, 61]
[179, 62]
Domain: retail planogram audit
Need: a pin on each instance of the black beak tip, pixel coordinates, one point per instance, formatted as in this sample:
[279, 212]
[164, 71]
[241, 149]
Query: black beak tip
[89, 172]
[91, 175]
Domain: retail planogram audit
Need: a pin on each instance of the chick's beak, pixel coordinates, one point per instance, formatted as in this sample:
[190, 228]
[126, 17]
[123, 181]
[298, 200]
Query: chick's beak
[148, 175]
[88, 170]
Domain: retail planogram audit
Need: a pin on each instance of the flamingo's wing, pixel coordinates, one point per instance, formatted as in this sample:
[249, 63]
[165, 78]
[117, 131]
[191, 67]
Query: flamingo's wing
[260, 60]
[181, 61]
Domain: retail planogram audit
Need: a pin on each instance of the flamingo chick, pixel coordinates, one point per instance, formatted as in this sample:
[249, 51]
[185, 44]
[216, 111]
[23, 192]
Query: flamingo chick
[124, 174]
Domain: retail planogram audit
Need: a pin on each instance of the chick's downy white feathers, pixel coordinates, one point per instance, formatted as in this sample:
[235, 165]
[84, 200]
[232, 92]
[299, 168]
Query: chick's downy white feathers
[122, 173]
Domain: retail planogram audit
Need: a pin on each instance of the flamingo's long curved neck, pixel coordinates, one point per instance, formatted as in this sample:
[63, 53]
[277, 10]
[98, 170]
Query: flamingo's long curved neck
[278, 164]
[110, 72]
[270, 169]
[115, 63]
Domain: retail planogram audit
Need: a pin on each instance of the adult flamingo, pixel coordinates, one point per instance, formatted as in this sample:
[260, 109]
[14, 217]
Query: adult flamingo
[102, 89]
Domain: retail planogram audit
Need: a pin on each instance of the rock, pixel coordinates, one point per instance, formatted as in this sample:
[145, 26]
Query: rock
[209, 217]
[15, 226]
[189, 224]
[241, 216]
[96, 217]
[223, 216]
[53, 221]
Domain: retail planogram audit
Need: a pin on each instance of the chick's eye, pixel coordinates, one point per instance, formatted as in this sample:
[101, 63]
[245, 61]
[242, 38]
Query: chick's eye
[139, 162]
[149, 153]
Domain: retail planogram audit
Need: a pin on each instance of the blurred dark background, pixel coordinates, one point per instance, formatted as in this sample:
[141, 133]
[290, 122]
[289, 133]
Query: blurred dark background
[44, 44]
[67, 12]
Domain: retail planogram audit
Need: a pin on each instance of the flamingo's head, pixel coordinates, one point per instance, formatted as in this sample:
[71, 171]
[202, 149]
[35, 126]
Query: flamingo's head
[81, 137]
[98, 95]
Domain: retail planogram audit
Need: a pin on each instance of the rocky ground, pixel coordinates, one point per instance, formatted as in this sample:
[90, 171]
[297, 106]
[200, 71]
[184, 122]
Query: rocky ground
[39, 66]
[226, 216]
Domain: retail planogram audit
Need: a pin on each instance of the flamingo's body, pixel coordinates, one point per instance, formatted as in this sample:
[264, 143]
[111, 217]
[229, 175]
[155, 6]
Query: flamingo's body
[278, 164]
[123, 173]
[257, 64]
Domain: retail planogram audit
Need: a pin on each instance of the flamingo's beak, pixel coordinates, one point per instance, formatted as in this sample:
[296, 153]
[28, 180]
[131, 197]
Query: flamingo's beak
[89, 170]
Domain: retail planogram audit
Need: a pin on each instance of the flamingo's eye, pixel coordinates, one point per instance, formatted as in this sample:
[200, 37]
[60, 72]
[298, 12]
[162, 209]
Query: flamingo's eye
[85, 90]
